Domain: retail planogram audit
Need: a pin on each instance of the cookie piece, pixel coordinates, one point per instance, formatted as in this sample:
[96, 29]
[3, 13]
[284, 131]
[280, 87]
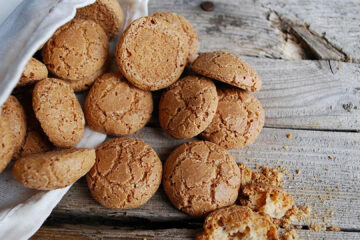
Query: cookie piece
[59, 112]
[86, 83]
[107, 13]
[238, 120]
[182, 25]
[227, 68]
[76, 50]
[151, 54]
[13, 113]
[238, 222]
[53, 170]
[200, 177]
[7, 143]
[268, 199]
[115, 107]
[188, 107]
[35, 142]
[34, 71]
[126, 174]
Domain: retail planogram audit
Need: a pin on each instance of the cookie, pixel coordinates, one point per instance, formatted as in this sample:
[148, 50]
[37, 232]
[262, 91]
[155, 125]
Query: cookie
[76, 50]
[59, 112]
[53, 170]
[86, 82]
[200, 177]
[13, 113]
[268, 199]
[35, 142]
[33, 72]
[227, 68]
[188, 107]
[7, 143]
[238, 222]
[151, 54]
[238, 120]
[107, 13]
[126, 174]
[115, 107]
[182, 25]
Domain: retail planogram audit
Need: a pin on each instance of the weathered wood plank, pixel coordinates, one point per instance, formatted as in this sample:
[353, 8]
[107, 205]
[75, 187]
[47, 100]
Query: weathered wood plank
[72, 232]
[325, 185]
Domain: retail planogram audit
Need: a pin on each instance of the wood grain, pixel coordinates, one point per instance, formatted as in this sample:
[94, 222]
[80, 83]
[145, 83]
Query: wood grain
[81, 232]
[323, 184]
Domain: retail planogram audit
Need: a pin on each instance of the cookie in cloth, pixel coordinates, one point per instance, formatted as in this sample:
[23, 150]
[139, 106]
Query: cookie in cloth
[238, 120]
[188, 106]
[126, 174]
[33, 72]
[151, 54]
[227, 68]
[115, 107]
[200, 177]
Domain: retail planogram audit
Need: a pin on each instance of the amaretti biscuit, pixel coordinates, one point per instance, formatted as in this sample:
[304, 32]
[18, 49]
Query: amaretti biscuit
[182, 25]
[59, 112]
[107, 13]
[115, 107]
[188, 107]
[265, 198]
[34, 71]
[238, 222]
[76, 50]
[55, 169]
[227, 68]
[13, 112]
[238, 120]
[7, 143]
[151, 54]
[126, 174]
[200, 177]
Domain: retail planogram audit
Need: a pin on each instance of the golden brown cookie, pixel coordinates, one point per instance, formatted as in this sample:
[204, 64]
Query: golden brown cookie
[59, 112]
[76, 50]
[52, 170]
[33, 71]
[126, 174]
[238, 120]
[35, 142]
[13, 112]
[86, 82]
[182, 25]
[268, 199]
[200, 177]
[7, 143]
[107, 13]
[227, 68]
[238, 222]
[151, 54]
[115, 107]
[188, 107]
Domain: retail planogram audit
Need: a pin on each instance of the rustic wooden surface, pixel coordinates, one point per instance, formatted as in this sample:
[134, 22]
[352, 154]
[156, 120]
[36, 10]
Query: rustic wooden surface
[308, 55]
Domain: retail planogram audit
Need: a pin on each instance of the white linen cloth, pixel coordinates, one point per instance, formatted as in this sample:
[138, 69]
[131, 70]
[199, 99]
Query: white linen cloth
[22, 210]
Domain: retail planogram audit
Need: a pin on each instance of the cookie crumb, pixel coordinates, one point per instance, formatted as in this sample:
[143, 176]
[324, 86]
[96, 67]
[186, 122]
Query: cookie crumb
[289, 135]
[334, 229]
[331, 157]
[298, 171]
[286, 147]
[317, 227]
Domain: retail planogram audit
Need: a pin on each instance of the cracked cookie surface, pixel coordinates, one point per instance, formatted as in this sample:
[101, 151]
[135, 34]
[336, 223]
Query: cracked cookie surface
[238, 222]
[238, 120]
[227, 68]
[182, 25]
[115, 107]
[200, 177]
[59, 112]
[53, 170]
[34, 71]
[76, 50]
[188, 107]
[151, 54]
[107, 13]
[126, 174]
[14, 114]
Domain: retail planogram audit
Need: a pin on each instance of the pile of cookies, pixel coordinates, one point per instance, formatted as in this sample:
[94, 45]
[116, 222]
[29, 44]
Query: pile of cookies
[214, 102]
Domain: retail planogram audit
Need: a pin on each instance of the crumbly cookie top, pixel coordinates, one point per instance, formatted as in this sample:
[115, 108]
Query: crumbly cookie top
[34, 71]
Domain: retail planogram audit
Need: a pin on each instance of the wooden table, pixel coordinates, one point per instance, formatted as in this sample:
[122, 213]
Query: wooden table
[307, 53]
